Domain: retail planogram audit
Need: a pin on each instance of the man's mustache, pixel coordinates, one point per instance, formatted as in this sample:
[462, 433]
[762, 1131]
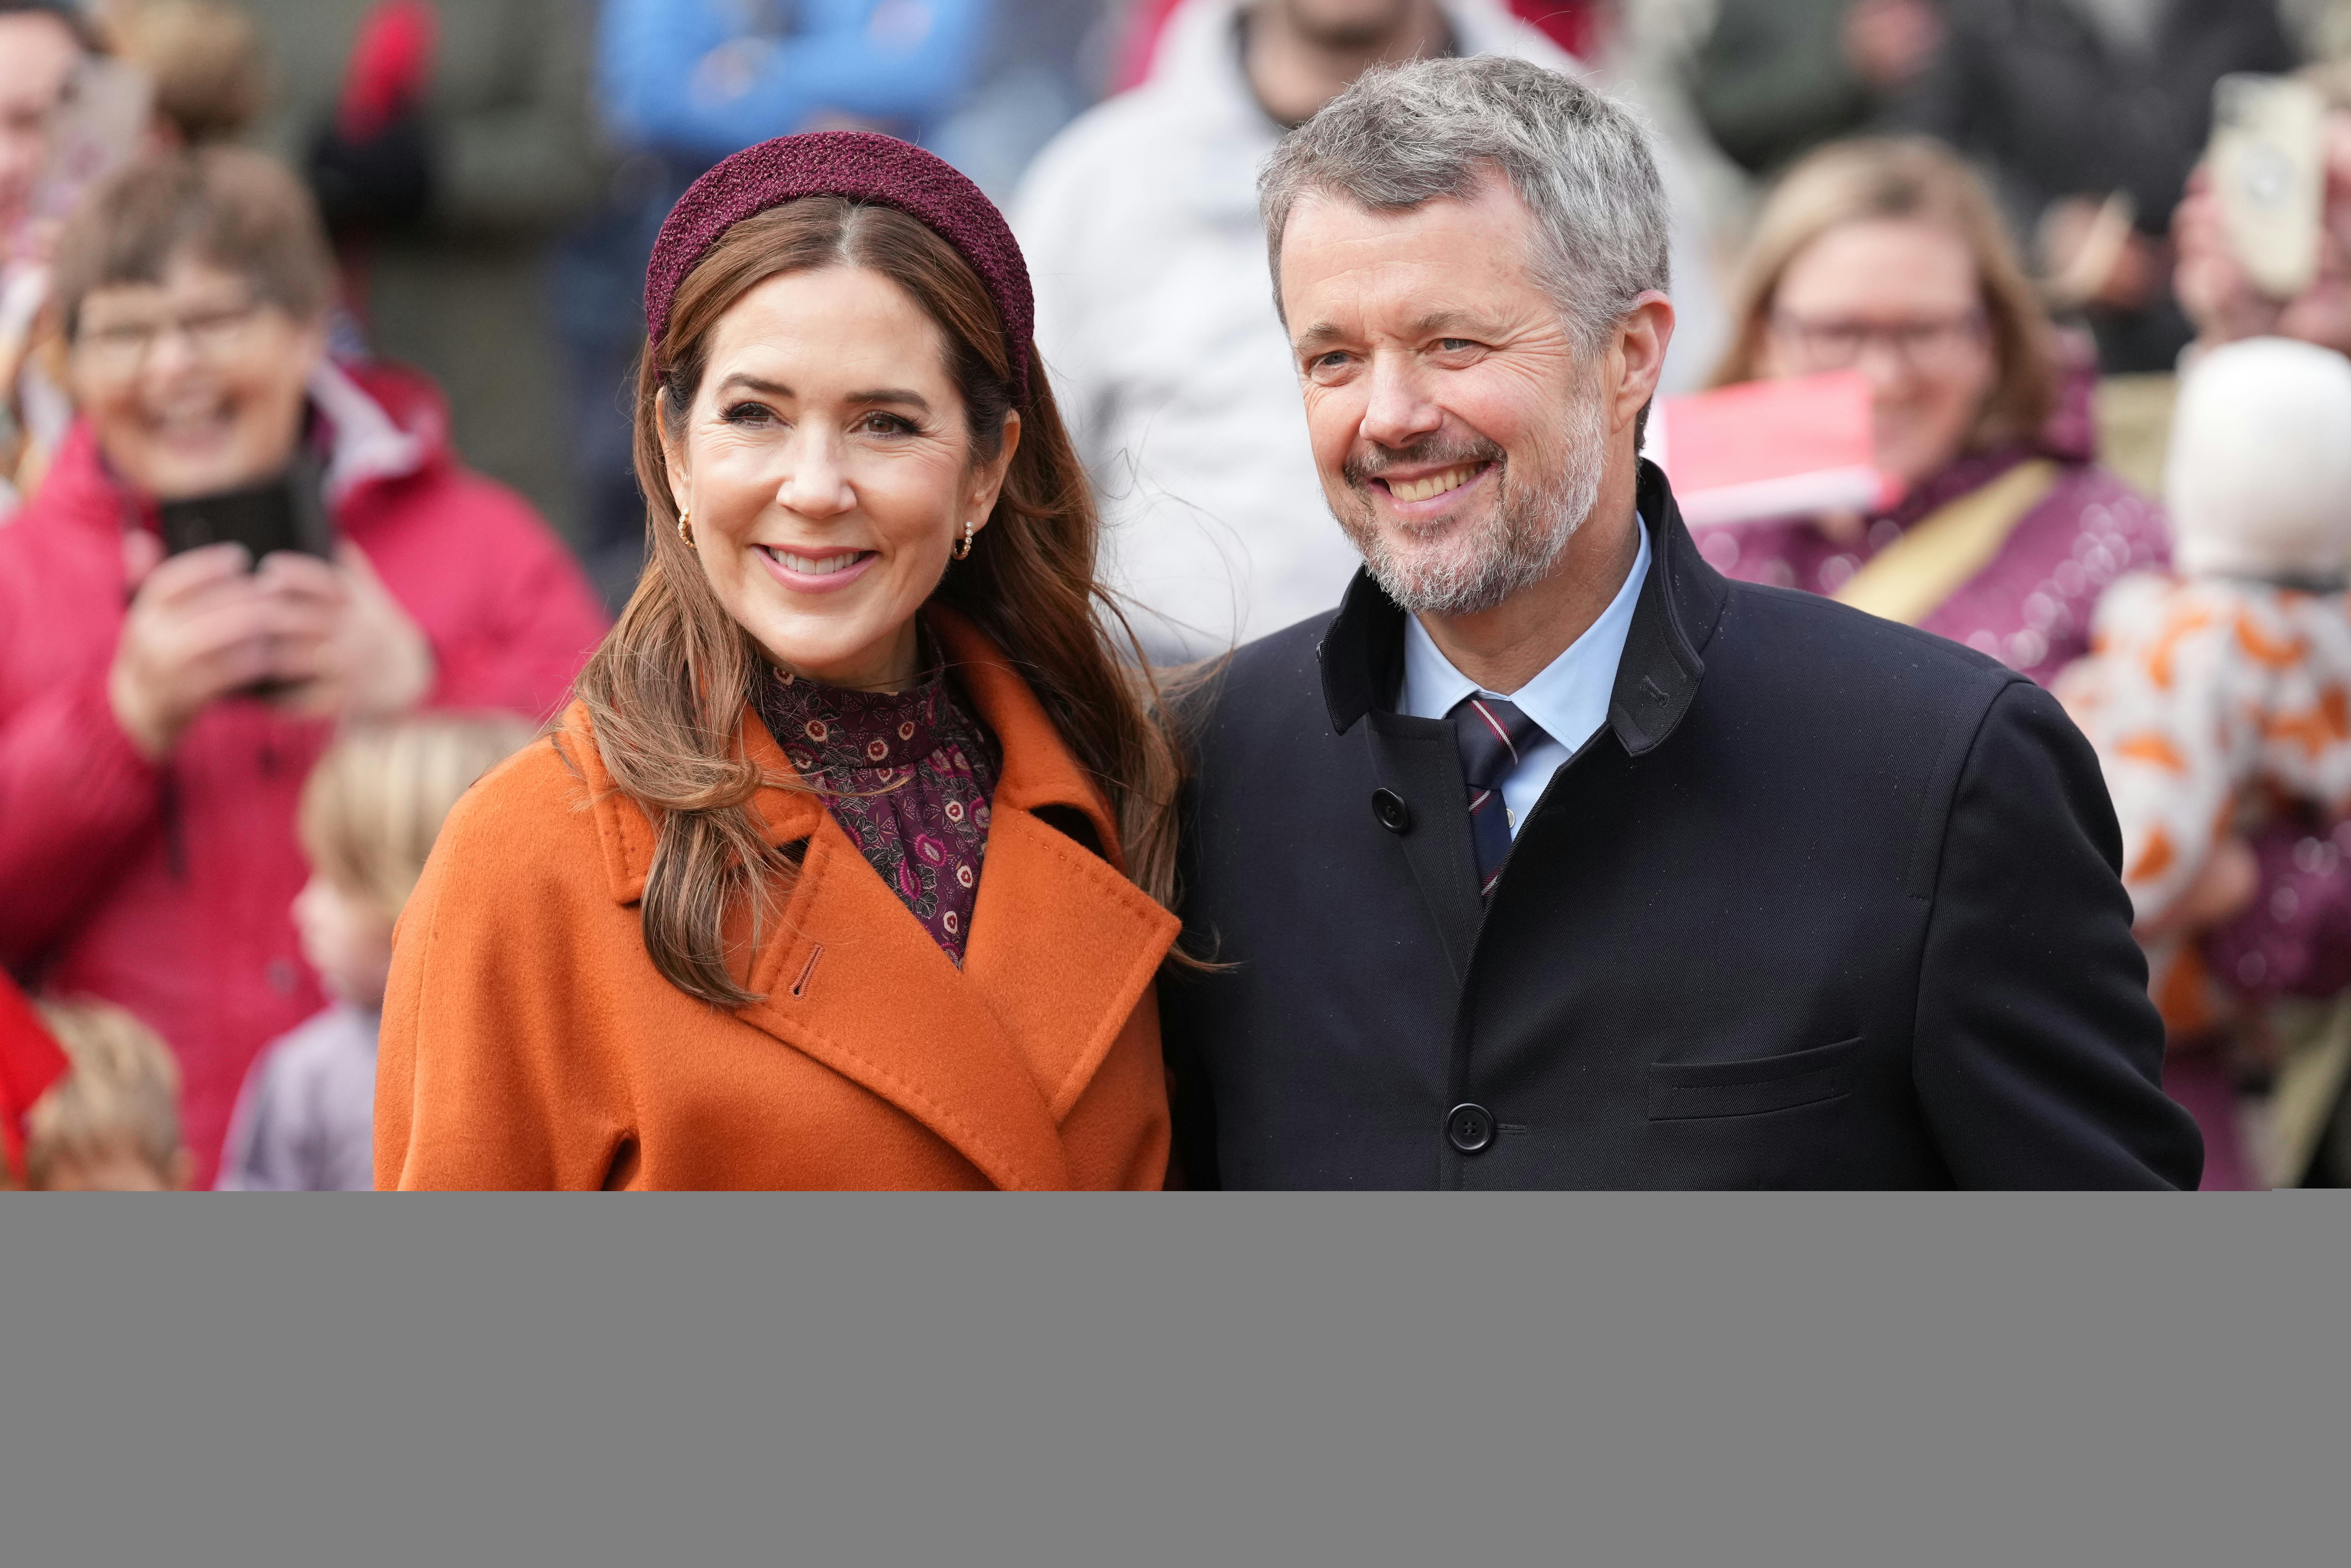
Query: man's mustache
[1361, 468]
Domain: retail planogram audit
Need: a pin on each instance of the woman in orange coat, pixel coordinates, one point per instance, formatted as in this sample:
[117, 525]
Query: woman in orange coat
[846, 869]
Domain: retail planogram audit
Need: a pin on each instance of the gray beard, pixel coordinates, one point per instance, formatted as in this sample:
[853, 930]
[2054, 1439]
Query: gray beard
[1518, 547]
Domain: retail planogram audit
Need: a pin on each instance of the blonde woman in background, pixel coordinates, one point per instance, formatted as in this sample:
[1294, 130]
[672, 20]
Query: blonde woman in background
[370, 815]
[1890, 256]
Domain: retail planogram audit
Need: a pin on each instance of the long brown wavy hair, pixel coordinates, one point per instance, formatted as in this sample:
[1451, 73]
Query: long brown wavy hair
[667, 689]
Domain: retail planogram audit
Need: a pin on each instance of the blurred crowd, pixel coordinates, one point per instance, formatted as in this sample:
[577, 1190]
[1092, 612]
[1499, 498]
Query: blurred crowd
[385, 257]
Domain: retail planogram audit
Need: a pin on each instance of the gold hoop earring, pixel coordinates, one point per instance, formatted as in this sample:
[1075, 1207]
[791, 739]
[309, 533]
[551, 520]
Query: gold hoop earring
[685, 526]
[963, 550]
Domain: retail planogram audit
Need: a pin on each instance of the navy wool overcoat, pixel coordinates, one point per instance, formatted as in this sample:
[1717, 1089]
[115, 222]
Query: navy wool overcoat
[1828, 902]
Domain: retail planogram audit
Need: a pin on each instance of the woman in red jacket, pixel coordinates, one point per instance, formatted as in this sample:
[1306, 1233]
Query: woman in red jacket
[147, 791]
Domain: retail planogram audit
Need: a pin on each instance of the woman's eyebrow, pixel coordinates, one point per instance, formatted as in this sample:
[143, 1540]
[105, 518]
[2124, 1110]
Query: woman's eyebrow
[902, 396]
[753, 383]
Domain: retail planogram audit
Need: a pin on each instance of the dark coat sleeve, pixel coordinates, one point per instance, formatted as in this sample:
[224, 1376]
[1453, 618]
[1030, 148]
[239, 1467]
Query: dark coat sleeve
[2037, 1050]
[1192, 1109]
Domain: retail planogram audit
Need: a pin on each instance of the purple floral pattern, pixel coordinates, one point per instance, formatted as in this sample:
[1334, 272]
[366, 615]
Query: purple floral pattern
[908, 776]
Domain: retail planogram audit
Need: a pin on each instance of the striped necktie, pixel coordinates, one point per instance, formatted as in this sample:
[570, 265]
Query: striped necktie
[1494, 737]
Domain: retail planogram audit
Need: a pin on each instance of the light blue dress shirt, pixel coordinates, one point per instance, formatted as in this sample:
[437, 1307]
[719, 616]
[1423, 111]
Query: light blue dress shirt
[1568, 698]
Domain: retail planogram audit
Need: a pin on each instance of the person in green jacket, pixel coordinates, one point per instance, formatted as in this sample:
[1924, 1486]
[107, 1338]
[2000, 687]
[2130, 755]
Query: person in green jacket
[450, 146]
[1777, 77]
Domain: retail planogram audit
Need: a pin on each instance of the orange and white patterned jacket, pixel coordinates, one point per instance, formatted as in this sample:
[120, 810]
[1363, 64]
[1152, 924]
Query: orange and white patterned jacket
[2208, 699]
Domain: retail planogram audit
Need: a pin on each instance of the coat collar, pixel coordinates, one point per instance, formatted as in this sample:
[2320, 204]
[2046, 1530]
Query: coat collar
[1362, 653]
[1062, 948]
[1037, 770]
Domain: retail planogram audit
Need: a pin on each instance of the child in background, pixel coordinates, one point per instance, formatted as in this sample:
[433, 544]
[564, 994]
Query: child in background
[112, 1123]
[30, 1062]
[2219, 694]
[305, 1120]
[204, 59]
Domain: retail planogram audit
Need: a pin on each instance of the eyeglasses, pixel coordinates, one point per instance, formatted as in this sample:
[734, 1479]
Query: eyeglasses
[212, 333]
[1928, 343]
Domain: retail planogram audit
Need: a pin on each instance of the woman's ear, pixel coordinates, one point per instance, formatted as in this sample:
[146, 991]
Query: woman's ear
[674, 462]
[312, 344]
[988, 479]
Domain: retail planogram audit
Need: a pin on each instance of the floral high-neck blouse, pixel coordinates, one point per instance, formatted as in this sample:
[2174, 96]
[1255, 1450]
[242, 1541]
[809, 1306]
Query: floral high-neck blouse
[908, 775]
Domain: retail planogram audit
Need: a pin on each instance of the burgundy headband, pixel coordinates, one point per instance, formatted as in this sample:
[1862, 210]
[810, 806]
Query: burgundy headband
[865, 167]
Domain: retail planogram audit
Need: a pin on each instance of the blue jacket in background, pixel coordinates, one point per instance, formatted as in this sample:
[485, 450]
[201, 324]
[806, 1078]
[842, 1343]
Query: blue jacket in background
[704, 78]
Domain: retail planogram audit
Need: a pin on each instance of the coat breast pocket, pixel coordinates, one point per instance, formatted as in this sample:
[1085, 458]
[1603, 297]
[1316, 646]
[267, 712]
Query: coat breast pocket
[1694, 1090]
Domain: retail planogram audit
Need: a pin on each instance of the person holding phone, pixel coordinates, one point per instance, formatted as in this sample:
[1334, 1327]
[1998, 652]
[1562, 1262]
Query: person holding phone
[2218, 290]
[160, 710]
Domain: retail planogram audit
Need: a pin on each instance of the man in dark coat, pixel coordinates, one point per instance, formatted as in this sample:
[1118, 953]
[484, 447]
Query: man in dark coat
[1554, 859]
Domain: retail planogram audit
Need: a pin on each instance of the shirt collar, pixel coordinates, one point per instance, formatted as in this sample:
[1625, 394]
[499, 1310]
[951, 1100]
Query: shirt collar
[1569, 697]
[1360, 653]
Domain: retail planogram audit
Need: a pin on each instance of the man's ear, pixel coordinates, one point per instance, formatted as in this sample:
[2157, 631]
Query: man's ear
[674, 464]
[1638, 353]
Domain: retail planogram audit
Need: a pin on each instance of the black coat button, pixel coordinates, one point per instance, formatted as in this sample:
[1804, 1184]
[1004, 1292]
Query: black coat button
[1470, 1127]
[1389, 807]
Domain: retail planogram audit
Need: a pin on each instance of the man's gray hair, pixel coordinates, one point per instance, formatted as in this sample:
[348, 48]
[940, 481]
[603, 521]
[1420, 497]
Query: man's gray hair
[1404, 135]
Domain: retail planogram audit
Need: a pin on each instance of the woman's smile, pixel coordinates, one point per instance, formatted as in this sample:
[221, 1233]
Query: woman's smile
[195, 423]
[809, 573]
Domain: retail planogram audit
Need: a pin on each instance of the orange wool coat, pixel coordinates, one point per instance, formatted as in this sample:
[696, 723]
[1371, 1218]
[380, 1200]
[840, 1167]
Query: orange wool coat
[527, 1041]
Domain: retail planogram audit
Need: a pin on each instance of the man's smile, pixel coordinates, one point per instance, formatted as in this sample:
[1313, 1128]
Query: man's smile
[1429, 487]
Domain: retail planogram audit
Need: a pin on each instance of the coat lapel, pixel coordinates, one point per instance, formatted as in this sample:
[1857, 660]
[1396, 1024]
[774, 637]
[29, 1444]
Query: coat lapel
[1419, 758]
[851, 978]
[1361, 657]
[1062, 946]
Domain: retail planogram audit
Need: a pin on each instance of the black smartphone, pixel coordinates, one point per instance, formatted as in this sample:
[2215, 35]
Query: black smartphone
[287, 513]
